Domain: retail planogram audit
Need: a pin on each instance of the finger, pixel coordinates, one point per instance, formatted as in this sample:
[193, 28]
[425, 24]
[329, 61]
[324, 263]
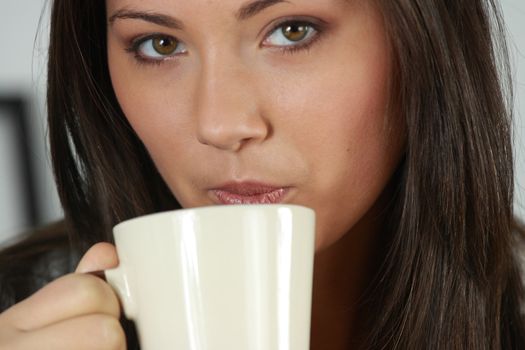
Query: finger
[88, 332]
[68, 297]
[101, 256]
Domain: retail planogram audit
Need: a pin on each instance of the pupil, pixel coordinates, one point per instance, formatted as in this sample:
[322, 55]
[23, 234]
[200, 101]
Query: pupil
[164, 46]
[295, 32]
[165, 42]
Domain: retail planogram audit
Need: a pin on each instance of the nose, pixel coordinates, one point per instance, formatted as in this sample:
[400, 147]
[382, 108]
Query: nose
[227, 111]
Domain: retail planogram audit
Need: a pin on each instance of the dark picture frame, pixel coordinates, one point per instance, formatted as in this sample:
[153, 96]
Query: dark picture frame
[16, 109]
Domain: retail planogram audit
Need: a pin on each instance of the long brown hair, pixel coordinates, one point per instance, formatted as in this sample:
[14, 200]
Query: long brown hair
[450, 277]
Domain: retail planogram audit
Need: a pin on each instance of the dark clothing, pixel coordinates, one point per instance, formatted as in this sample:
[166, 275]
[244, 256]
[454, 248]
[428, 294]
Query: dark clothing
[36, 260]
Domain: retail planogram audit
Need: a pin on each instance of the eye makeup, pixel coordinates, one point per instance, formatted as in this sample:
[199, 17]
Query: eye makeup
[299, 35]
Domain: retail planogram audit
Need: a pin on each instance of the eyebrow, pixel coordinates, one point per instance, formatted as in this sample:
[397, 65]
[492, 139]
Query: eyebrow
[252, 8]
[246, 11]
[156, 18]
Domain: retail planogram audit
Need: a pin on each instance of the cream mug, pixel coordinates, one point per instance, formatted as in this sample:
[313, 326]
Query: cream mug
[236, 277]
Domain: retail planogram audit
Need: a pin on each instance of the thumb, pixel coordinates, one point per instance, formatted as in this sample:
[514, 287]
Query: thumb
[101, 256]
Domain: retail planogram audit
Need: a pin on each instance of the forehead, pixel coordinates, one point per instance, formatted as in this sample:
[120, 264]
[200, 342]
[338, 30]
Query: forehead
[239, 9]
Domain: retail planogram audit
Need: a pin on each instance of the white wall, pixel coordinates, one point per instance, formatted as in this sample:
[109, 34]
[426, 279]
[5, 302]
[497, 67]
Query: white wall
[514, 12]
[22, 69]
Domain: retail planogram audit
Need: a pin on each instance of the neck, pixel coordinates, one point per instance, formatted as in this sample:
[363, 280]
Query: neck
[342, 272]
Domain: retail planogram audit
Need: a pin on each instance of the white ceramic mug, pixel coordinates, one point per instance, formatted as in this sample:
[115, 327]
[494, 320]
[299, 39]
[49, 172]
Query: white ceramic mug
[214, 278]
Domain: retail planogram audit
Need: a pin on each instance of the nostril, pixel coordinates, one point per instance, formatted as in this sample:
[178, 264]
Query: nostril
[232, 134]
[220, 139]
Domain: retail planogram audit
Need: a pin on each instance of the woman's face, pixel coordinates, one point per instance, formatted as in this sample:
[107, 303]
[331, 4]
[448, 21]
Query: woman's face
[268, 101]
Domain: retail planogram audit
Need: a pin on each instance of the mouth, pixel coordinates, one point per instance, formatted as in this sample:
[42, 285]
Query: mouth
[248, 193]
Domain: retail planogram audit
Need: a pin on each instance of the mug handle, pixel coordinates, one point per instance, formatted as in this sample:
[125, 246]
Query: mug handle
[119, 282]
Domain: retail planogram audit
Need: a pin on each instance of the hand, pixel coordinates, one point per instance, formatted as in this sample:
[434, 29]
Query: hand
[77, 311]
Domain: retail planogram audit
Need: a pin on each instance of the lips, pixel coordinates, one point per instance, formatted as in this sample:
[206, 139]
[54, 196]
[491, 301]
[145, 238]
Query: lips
[249, 193]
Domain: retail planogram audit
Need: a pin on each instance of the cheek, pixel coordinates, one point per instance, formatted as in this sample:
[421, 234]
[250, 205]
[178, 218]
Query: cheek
[339, 121]
[151, 122]
[159, 111]
[150, 105]
[338, 111]
[146, 94]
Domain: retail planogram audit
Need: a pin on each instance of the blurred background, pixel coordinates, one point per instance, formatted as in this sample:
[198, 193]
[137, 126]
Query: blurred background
[27, 193]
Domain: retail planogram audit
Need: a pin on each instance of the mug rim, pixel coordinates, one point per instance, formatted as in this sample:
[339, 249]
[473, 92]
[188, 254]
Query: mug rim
[184, 211]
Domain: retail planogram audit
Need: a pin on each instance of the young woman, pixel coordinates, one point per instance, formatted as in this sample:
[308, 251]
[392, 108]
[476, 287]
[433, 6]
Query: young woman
[388, 118]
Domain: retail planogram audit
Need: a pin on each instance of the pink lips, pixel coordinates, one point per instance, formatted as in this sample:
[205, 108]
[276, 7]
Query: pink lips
[249, 193]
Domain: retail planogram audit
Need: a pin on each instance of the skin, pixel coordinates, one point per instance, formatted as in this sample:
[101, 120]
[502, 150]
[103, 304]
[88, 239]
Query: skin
[76, 311]
[235, 107]
[231, 106]
[230, 110]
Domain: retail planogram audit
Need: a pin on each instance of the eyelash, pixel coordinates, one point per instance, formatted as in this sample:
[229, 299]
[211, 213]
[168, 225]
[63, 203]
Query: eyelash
[303, 46]
[318, 28]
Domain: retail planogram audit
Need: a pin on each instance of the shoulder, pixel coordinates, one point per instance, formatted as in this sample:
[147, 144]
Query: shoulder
[35, 260]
